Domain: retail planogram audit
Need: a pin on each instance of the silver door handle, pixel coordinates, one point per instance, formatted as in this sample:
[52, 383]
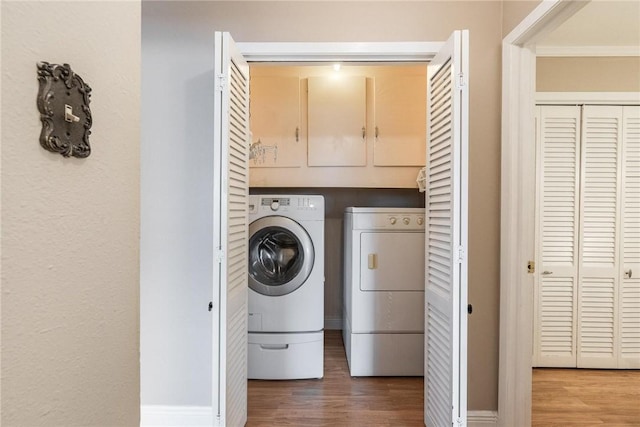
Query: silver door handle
[546, 273]
[628, 274]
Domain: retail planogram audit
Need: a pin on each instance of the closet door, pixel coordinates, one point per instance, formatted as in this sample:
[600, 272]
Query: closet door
[629, 307]
[445, 395]
[558, 170]
[230, 228]
[599, 269]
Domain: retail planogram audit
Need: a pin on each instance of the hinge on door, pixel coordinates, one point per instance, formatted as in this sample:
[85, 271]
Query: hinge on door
[221, 82]
[459, 421]
[461, 82]
[220, 256]
[460, 254]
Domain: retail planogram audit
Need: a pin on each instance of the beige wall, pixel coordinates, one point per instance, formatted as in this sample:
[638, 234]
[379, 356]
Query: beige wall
[274, 21]
[514, 11]
[588, 74]
[70, 226]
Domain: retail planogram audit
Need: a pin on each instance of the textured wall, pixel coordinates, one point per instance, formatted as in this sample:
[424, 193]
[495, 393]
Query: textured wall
[70, 293]
[174, 31]
[588, 74]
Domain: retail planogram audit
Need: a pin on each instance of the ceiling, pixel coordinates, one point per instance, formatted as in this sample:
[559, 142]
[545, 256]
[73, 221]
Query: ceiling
[600, 24]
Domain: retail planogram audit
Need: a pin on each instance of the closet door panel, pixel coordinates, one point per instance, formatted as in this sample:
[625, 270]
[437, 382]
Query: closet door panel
[558, 147]
[629, 308]
[599, 237]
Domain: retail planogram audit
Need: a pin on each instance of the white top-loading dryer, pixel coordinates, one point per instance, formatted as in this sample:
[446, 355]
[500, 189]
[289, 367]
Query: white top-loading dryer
[383, 328]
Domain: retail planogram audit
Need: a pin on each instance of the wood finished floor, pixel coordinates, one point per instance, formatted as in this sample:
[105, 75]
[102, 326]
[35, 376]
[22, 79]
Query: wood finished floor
[561, 397]
[585, 398]
[337, 399]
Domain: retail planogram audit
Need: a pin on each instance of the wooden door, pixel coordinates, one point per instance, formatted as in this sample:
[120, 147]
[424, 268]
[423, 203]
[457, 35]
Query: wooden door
[400, 117]
[598, 270]
[557, 230]
[446, 204]
[230, 228]
[277, 139]
[337, 121]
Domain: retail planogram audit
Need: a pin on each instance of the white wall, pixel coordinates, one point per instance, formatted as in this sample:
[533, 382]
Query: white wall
[70, 265]
[176, 268]
[177, 45]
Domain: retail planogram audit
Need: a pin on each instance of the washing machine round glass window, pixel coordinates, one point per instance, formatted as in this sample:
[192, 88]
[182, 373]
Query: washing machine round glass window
[280, 256]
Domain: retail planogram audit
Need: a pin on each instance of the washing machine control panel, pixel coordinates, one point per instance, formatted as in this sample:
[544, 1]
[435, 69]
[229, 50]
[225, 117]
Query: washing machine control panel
[308, 206]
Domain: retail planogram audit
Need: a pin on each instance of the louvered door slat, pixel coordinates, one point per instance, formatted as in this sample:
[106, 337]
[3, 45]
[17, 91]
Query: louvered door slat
[629, 306]
[599, 237]
[557, 201]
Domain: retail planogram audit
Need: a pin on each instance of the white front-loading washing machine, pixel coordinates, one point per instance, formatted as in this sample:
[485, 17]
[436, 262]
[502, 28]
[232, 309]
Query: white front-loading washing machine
[286, 287]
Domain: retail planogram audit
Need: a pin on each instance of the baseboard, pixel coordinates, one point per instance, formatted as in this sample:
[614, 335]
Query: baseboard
[188, 416]
[482, 418]
[175, 416]
[333, 323]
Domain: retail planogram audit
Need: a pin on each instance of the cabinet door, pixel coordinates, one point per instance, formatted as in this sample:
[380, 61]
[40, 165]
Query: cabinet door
[275, 122]
[400, 123]
[337, 121]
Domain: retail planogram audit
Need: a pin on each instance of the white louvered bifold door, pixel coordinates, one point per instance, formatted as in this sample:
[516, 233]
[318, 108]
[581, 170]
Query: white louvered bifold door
[629, 307]
[599, 268]
[446, 235]
[556, 287]
[231, 144]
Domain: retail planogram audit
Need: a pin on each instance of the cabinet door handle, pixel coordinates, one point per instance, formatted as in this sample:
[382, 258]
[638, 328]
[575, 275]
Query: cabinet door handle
[377, 132]
[628, 273]
[297, 134]
[364, 132]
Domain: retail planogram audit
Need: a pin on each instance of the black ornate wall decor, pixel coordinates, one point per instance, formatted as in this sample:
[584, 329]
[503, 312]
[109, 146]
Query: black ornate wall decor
[63, 101]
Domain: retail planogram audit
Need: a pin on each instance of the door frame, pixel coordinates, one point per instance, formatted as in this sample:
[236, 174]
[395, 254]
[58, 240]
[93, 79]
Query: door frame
[339, 51]
[517, 206]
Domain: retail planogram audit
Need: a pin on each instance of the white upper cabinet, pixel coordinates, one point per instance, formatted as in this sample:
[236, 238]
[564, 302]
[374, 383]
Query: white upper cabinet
[400, 117]
[308, 122]
[337, 121]
[277, 137]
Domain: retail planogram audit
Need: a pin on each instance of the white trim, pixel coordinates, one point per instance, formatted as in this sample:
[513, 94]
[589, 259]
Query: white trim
[592, 98]
[587, 51]
[165, 416]
[482, 419]
[517, 207]
[333, 323]
[324, 52]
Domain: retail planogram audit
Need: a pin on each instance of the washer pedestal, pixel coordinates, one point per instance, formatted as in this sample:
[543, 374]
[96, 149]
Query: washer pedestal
[274, 356]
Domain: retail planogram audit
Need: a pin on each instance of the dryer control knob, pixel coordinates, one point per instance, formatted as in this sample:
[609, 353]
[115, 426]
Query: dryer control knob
[406, 220]
[275, 206]
[420, 220]
[393, 220]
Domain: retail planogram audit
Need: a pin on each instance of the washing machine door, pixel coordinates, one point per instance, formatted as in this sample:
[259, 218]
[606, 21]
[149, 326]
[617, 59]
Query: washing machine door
[280, 255]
